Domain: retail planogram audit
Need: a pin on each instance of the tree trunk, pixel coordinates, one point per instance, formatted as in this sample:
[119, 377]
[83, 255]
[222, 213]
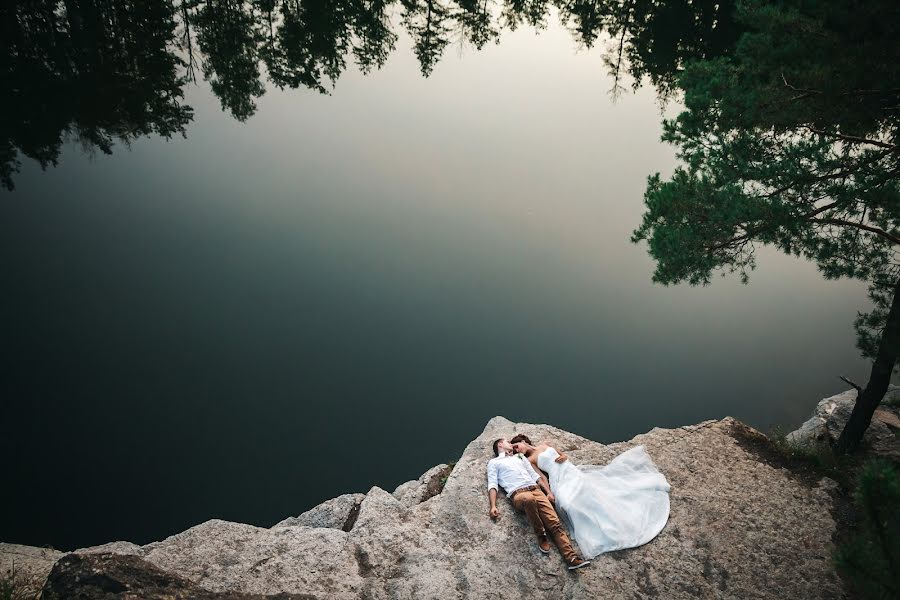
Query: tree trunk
[879, 379]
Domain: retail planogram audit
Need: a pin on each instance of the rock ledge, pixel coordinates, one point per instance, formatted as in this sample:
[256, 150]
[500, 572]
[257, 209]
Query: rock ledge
[740, 527]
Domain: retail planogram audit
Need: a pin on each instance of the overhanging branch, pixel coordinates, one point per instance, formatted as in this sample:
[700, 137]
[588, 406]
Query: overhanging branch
[881, 232]
[854, 139]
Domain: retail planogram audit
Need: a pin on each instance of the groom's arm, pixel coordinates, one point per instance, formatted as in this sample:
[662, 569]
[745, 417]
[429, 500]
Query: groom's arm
[545, 485]
[492, 490]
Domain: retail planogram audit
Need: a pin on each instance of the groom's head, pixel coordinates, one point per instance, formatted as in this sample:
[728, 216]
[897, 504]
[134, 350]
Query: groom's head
[502, 445]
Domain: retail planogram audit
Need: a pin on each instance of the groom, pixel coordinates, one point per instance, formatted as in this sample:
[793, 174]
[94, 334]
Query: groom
[529, 493]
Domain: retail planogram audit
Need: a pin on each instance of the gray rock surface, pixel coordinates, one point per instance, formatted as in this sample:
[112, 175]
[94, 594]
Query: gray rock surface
[107, 576]
[831, 415]
[425, 487]
[122, 548]
[337, 513]
[741, 527]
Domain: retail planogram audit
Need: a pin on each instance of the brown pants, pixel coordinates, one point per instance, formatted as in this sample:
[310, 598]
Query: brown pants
[543, 518]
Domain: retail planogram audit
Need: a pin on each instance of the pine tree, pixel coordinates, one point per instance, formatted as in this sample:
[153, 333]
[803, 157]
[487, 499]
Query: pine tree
[792, 141]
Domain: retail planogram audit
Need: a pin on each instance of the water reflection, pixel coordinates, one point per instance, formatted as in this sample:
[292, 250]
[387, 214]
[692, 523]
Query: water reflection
[397, 262]
[95, 72]
[102, 72]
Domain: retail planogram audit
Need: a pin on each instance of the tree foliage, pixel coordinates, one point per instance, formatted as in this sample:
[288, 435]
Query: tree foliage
[791, 141]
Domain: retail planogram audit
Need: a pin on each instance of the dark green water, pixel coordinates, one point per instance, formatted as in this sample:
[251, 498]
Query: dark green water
[341, 290]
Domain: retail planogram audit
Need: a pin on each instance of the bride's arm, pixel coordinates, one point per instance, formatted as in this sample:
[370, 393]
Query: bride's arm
[561, 458]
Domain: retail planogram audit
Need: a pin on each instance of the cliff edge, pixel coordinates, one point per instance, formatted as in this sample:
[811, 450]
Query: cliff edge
[741, 526]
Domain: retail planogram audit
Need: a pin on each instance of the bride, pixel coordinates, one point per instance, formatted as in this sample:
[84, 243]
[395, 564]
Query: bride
[620, 505]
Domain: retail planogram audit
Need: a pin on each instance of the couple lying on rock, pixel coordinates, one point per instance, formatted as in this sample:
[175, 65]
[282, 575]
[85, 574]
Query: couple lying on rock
[620, 505]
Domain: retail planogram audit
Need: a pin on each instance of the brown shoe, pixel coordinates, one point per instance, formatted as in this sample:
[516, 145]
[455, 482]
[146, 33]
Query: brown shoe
[544, 544]
[577, 563]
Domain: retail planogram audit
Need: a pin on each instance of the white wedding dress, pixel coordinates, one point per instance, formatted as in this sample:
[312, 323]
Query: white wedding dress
[620, 505]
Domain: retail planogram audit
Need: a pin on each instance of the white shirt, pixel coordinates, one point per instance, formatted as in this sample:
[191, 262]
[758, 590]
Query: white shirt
[511, 472]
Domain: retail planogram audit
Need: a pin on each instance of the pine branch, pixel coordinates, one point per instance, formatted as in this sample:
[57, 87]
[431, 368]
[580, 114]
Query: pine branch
[854, 139]
[857, 387]
[881, 232]
[806, 92]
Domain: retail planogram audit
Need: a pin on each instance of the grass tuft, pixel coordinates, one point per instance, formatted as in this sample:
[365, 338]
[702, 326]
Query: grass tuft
[816, 454]
[16, 586]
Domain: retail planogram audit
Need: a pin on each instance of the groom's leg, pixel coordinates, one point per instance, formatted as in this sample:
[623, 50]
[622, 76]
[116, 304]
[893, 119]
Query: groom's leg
[554, 527]
[525, 502]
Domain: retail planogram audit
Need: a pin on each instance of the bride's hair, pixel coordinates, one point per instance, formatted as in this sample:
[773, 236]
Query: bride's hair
[521, 437]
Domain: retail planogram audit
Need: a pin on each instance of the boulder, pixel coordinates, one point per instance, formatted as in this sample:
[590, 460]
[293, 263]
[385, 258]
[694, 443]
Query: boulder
[891, 419]
[742, 525]
[107, 576]
[427, 486]
[112, 548]
[337, 513]
[831, 415]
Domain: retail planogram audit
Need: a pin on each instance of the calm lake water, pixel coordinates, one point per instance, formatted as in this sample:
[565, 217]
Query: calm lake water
[340, 291]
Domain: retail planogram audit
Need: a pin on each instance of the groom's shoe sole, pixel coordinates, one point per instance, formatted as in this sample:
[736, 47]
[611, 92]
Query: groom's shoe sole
[583, 563]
